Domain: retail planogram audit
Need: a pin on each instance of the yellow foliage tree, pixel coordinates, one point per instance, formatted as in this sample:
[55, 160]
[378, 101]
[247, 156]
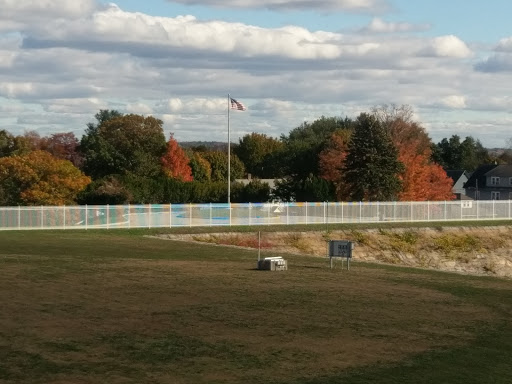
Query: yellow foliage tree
[38, 178]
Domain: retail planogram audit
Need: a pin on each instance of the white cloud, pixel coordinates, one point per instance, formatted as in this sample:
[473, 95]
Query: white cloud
[139, 108]
[454, 101]
[447, 46]
[499, 62]
[146, 35]
[371, 6]
[377, 25]
[196, 106]
[15, 90]
[74, 105]
[70, 63]
[18, 13]
[505, 45]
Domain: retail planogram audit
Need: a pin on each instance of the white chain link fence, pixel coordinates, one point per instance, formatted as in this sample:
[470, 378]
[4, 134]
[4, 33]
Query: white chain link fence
[204, 215]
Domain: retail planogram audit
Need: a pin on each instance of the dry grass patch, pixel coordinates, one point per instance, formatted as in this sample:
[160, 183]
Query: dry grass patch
[149, 313]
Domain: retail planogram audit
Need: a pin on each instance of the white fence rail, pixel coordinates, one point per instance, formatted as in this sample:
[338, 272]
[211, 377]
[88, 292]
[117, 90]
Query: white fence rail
[202, 215]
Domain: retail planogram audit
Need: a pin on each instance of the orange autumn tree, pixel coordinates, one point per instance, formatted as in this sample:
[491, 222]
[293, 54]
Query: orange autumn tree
[175, 162]
[422, 179]
[332, 159]
[38, 178]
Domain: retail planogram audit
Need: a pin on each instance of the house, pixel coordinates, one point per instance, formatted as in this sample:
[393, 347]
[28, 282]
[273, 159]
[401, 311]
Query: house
[459, 177]
[271, 182]
[490, 182]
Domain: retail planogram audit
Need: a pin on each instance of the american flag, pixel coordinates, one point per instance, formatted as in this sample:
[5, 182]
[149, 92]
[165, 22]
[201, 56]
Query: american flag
[237, 105]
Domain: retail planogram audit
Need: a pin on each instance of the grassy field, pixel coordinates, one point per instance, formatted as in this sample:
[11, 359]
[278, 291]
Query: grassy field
[117, 307]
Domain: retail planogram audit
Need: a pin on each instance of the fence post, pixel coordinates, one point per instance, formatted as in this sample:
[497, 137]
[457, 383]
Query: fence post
[42, 217]
[445, 210]
[170, 215]
[509, 208]
[477, 210]
[210, 214]
[460, 210]
[229, 207]
[360, 211]
[342, 217]
[64, 211]
[108, 216]
[306, 212]
[86, 216]
[325, 218]
[190, 214]
[129, 215]
[428, 211]
[287, 206]
[249, 213]
[412, 215]
[19, 217]
[493, 210]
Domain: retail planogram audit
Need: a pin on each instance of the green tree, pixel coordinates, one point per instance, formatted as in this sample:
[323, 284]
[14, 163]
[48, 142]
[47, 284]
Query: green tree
[109, 190]
[219, 165]
[123, 144]
[473, 154]
[102, 117]
[26, 143]
[201, 169]
[6, 143]
[252, 150]
[453, 154]
[253, 192]
[372, 169]
[311, 188]
[304, 144]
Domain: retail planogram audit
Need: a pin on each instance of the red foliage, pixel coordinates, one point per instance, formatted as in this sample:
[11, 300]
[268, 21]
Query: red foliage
[62, 146]
[423, 180]
[175, 162]
[331, 161]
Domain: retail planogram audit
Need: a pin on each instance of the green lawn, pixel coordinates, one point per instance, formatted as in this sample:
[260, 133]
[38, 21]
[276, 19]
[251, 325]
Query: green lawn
[117, 307]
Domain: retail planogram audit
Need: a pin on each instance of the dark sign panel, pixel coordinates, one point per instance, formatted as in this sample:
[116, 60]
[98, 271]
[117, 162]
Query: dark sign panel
[340, 248]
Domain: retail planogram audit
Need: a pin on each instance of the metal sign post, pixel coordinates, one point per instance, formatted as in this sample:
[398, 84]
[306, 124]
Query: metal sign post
[341, 249]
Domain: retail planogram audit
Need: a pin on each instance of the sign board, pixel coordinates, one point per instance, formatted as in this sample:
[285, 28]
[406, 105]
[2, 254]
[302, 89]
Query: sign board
[340, 248]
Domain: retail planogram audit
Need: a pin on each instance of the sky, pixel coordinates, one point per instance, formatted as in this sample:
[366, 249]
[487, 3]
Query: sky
[288, 61]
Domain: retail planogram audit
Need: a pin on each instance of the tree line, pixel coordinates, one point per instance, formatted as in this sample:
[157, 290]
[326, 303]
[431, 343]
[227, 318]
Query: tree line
[125, 158]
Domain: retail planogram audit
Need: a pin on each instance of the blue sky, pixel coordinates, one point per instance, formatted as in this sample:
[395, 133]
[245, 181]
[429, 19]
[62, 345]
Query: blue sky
[471, 20]
[289, 61]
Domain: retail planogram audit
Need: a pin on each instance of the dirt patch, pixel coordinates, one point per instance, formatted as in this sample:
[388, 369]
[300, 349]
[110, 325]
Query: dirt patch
[478, 251]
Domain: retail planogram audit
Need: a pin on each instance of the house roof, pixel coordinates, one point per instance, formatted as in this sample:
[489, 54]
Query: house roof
[479, 175]
[271, 182]
[503, 170]
[455, 174]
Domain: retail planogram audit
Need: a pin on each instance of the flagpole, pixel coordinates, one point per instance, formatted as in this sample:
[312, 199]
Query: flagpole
[229, 154]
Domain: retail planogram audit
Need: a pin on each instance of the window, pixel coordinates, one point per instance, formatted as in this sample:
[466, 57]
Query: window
[495, 180]
[495, 195]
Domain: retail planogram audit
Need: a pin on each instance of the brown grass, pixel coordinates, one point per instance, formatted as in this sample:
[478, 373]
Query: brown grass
[135, 310]
[106, 317]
